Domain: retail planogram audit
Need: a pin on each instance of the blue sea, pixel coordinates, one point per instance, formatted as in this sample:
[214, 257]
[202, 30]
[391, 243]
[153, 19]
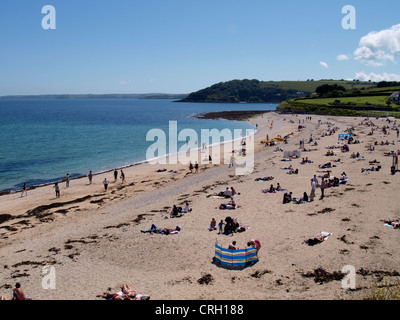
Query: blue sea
[43, 140]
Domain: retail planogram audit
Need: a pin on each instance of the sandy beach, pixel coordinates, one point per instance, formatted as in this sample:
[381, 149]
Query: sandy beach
[93, 237]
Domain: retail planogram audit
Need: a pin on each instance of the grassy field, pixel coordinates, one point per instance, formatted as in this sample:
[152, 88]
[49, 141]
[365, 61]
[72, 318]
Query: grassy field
[310, 86]
[369, 96]
[359, 101]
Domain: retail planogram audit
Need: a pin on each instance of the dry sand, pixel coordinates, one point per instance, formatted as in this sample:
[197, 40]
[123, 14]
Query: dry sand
[94, 242]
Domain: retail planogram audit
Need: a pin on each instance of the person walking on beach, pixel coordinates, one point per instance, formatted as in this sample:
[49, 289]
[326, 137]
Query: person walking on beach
[196, 167]
[313, 187]
[57, 189]
[322, 188]
[191, 167]
[115, 175]
[90, 176]
[24, 190]
[67, 181]
[231, 161]
[122, 177]
[105, 182]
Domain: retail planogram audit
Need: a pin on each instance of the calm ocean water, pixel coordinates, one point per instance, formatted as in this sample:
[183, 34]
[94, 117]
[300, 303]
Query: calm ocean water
[42, 140]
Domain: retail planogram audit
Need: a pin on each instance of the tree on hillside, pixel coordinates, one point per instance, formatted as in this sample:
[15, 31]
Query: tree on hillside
[330, 90]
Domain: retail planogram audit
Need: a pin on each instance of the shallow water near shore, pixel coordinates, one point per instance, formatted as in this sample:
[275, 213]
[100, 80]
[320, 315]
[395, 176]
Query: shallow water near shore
[43, 140]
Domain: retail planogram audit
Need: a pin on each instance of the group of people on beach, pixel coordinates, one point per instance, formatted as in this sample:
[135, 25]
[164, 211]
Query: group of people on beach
[230, 225]
[253, 243]
[90, 177]
[179, 211]
[57, 189]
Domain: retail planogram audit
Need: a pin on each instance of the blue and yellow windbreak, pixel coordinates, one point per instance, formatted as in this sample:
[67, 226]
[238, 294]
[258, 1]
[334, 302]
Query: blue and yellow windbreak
[235, 258]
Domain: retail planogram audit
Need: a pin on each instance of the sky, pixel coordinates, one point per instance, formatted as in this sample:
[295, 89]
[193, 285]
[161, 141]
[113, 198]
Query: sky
[181, 46]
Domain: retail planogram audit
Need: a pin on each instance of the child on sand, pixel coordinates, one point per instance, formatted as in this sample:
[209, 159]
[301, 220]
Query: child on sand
[220, 226]
[213, 225]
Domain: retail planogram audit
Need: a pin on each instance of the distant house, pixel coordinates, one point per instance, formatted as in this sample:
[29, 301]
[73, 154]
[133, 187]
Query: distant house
[395, 97]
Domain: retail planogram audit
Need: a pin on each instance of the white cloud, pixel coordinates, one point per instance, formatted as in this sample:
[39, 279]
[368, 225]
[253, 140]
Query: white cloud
[377, 77]
[324, 64]
[124, 83]
[378, 47]
[342, 57]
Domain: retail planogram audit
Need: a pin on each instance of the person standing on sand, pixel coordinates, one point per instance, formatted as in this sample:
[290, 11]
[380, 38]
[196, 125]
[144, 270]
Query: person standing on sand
[231, 161]
[122, 177]
[57, 189]
[313, 187]
[115, 175]
[105, 182]
[24, 190]
[90, 176]
[67, 181]
[322, 188]
[191, 167]
[220, 226]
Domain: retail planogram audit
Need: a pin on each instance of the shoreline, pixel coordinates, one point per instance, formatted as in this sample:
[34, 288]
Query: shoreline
[97, 242]
[228, 115]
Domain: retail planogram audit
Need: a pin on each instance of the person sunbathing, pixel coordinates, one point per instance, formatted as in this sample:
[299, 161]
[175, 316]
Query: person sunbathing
[126, 293]
[171, 231]
[278, 187]
[395, 223]
[325, 166]
[226, 193]
[293, 171]
[304, 199]
[167, 231]
[113, 296]
[176, 212]
[265, 178]
[152, 229]
[287, 197]
[186, 208]
[371, 169]
[317, 239]
[230, 206]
